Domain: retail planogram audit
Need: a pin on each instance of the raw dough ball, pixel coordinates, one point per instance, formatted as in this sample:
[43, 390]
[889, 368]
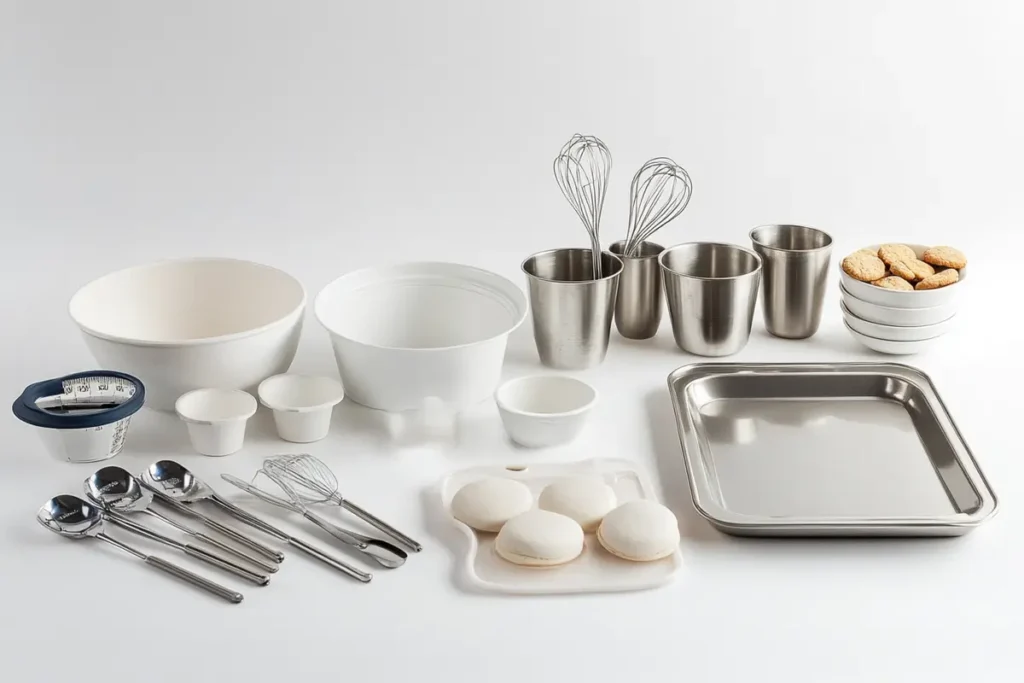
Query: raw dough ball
[539, 538]
[640, 530]
[585, 499]
[486, 504]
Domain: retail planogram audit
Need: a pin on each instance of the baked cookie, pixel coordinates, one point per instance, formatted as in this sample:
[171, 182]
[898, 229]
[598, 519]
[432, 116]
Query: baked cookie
[945, 257]
[869, 252]
[864, 267]
[890, 253]
[942, 278]
[894, 282]
[914, 269]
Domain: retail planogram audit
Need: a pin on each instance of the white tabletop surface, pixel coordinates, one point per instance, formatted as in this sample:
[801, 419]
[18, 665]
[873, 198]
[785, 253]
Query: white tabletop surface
[319, 138]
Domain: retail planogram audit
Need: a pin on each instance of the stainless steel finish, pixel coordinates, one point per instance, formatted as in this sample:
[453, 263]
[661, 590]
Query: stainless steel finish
[177, 482]
[381, 552]
[638, 302]
[117, 489]
[314, 482]
[73, 517]
[211, 523]
[839, 449]
[659, 192]
[795, 263]
[572, 312]
[712, 291]
[581, 170]
[190, 550]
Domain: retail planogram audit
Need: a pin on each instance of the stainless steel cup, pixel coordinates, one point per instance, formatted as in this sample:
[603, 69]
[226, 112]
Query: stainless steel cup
[572, 312]
[711, 290]
[796, 262]
[638, 304]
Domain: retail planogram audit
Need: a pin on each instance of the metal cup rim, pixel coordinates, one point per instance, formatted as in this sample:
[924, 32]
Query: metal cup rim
[622, 243]
[757, 260]
[591, 281]
[770, 247]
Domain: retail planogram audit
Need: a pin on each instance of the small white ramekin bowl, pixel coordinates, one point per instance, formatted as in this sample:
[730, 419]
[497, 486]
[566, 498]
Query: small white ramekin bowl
[540, 411]
[216, 418]
[302, 405]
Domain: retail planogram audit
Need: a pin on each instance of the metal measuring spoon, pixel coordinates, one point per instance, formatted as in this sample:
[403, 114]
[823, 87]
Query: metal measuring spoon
[382, 552]
[115, 488]
[73, 517]
[167, 488]
[178, 483]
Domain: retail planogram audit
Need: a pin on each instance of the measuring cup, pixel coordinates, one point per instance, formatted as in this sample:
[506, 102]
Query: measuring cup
[216, 419]
[82, 417]
[302, 405]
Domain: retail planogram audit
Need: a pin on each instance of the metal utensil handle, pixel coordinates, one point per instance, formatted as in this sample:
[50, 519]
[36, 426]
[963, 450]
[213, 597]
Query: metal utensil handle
[378, 523]
[248, 518]
[196, 580]
[145, 532]
[223, 547]
[235, 552]
[318, 554]
[224, 530]
[336, 531]
[226, 564]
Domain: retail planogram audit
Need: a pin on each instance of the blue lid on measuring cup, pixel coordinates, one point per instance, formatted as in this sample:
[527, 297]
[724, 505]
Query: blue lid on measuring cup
[85, 399]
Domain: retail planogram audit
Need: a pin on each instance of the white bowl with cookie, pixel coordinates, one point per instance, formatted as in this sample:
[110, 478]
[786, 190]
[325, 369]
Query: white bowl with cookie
[904, 275]
[894, 332]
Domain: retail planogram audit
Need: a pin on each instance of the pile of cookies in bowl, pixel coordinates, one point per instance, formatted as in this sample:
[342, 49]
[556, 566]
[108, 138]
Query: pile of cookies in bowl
[900, 298]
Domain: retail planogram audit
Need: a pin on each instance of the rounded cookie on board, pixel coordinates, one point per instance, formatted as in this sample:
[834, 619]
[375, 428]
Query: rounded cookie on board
[539, 538]
[894, 282]
[864, 267]
[640, 530]
[585, 499]
[486, 504]
[943, 278]
[945, 257]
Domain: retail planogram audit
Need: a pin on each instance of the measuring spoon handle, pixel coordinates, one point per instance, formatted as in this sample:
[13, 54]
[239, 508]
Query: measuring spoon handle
[194, 579]
[223, 547]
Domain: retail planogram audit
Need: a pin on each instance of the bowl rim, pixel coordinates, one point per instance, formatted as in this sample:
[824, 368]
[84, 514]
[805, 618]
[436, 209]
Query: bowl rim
[888, 341]
[301, 377]
[202, 341]
[844, 292]
[240, 417]
[502, 405]
[847, 312]
[519, 301]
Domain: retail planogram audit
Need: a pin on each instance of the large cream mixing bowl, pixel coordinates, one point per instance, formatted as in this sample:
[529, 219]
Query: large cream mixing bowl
[186, 324]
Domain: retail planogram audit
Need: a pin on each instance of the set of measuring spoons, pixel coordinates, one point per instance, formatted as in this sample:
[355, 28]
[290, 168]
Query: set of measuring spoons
[114, 494]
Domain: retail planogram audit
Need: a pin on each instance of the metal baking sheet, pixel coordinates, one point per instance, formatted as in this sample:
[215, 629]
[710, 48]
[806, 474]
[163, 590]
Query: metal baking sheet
[843, 449]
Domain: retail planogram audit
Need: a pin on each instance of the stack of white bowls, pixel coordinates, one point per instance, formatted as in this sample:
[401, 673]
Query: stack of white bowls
[898, 322]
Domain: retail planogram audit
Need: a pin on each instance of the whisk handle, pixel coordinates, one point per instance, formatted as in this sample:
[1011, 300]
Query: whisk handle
[377, 522]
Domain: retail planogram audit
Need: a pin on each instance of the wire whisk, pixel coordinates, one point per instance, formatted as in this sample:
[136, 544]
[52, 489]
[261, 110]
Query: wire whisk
[581, 170]
[659, 192]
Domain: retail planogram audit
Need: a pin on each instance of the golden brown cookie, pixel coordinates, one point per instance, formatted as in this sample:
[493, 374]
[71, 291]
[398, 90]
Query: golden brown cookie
[863, 267]
[869, 252]
[942, 278]
[945, 257]
[895, 252]
[894, 282]
[913, 269]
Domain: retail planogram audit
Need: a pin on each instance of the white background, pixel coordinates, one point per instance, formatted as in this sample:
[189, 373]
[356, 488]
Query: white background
[324, 136]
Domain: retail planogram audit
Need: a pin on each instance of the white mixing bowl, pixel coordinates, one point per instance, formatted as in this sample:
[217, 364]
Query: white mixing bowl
[891, 298]
[186, 324]
[406, 333]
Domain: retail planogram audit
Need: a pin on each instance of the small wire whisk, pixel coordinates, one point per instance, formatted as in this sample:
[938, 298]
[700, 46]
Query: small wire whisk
[659, 192]
[581, 170]
[313, 482]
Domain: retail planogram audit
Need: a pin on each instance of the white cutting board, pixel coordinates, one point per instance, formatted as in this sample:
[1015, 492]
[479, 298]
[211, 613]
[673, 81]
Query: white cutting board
[595, 571]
